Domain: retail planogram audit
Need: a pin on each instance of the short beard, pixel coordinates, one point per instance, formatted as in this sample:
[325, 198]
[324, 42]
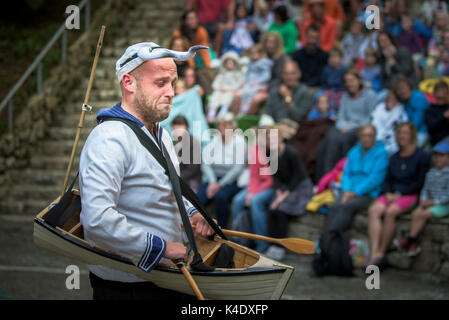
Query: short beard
[146, 108]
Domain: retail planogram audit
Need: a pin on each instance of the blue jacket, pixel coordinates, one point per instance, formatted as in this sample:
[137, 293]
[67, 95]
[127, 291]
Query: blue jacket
[364, 174]
[416, 108]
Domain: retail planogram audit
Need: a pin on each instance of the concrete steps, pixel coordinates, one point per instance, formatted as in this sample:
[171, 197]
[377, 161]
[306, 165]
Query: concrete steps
[35, 187]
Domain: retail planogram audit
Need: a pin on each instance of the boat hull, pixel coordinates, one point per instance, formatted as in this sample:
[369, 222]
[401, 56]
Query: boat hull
[266, 279]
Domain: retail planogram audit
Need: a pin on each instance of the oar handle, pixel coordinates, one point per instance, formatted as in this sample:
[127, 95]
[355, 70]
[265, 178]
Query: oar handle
[182, 266]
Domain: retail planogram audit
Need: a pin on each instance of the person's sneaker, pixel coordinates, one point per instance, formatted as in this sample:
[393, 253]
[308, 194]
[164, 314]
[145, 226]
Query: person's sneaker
[402, 243]
[275, 252]
[414, 250]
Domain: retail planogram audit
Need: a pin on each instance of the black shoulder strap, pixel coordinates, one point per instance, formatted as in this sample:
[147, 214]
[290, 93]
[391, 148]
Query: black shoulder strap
[179, 188]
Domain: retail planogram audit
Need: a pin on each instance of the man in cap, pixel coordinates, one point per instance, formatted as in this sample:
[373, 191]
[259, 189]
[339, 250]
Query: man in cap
[128, 204]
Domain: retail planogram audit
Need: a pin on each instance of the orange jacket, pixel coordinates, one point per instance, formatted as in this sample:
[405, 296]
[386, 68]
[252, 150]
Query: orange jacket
[201, 38]
[328, 32]
[332, 8]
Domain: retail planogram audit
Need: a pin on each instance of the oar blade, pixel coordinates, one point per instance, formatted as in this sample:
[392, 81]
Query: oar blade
[298, 245]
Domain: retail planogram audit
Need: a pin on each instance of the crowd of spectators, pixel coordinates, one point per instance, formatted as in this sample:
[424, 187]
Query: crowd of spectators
[363, 114]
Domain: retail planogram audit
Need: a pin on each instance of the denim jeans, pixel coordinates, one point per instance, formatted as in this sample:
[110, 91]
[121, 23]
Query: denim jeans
[259, 203]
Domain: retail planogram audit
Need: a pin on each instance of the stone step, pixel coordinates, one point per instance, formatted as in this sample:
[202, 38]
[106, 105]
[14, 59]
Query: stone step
[53, 162]
[41, 192]
[10, 207]
[66, 133]
[72, 120]
[40, 177]
[33, 207]
[61, 148]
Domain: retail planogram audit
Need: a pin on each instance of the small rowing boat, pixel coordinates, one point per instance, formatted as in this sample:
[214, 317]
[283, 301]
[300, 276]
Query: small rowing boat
[254, 276]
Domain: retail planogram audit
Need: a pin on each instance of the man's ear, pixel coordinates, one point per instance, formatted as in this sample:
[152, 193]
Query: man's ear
[129, 83]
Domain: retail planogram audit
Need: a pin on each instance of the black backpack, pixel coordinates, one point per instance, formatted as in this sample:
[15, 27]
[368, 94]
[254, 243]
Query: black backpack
[334, 258]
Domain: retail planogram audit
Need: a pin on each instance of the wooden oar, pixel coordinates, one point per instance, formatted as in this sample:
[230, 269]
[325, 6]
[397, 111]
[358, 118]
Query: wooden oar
[181, 265]
[294, 244]
[86, 100]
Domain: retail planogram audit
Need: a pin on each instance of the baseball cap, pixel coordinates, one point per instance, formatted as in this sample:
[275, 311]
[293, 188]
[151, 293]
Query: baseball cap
[138, 53]
[441, 147]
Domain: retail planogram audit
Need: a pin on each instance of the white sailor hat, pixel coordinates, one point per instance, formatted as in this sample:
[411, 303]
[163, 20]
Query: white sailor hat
[138, 53]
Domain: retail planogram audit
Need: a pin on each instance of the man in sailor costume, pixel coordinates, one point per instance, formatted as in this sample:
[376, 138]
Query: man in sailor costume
[128, 204]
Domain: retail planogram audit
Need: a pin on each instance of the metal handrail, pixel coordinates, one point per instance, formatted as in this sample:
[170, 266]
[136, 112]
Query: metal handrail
[37, 63]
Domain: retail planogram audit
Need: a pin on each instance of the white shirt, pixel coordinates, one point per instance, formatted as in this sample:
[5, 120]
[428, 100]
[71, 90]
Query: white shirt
[128, 205]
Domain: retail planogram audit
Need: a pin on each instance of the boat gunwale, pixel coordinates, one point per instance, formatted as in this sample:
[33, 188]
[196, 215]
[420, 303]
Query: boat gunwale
[231, 272]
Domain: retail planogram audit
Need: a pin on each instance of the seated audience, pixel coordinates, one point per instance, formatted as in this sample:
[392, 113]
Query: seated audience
[291, 99]
[259, 193]
[437, 115]
[409, 38]
[352, 42]
[394, 60]
[189, 152]
[196, 35]
[405, 178]
[371, 71]
[333, 9]
[356, 107]
[273, 45]
[328, 188]
[246, 100]
[433, 200]
[293, 190]
[415, 104]
[243, 33]
[386, 117]
[210, 14]
[322, 109]
[181, 44]
[285, 27]
[187, 102]
[332, 75]
[393, 21]
[228, 80]
[311, 59]
[327, 25]
[363, 176]
[223, 161]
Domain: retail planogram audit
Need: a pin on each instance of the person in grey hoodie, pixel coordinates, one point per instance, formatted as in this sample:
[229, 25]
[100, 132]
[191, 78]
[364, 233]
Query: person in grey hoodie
[356, 107]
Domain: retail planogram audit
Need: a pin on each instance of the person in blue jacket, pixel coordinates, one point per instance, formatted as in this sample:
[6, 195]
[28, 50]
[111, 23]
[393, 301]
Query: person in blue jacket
[362, 179]
[415, 104]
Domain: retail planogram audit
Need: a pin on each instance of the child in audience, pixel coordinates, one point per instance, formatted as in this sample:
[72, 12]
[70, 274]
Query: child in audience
[180, 87]
[371, 71]
[434, 198]
[352, 43]
[188, 151]
[437, 115]
[256, 78]
[322, 109]
[328, 189]
[332, 75]
[386, 117]
[225, 84]
[409, 38]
